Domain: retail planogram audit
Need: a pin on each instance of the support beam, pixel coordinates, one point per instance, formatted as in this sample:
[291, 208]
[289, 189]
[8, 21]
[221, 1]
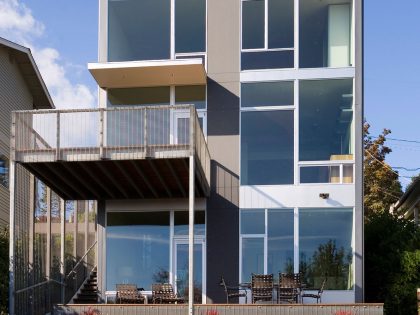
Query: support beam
[144, 178]
[88, 172]
[65, 179]
[12, 184]
[62, 249]
[129, 179]
[111, 178]
[191, 239]
[80, 180]
[176, 177]
[156, 171]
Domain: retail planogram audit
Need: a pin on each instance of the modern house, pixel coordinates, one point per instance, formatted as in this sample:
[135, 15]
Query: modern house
[227, 141]
[21, 88]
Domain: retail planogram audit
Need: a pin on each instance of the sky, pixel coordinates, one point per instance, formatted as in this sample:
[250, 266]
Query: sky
[62, 35]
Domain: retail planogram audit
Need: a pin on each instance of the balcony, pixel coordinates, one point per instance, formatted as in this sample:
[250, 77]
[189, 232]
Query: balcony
[127, 74]
[113, 153]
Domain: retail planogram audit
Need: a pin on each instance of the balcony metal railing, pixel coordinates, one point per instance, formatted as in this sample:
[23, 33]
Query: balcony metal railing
[120, 133]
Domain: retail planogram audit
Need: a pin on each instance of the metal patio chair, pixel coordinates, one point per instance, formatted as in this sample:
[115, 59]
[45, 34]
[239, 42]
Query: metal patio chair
[289, 288]
[129, 294]
[317, 295]
[163, 293]
[232, 292]
[262, 287]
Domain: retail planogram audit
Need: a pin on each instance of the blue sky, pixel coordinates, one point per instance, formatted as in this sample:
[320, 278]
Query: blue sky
[63, 35]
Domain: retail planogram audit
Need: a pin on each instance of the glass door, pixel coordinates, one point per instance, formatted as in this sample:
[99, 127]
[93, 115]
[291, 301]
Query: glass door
[181, 269]
[180, 131]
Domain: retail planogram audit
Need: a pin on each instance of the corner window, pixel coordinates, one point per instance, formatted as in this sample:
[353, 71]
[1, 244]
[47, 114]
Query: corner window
[325, 33]
[325, 120]
[267, 34]
[325, 247]
[4, 171]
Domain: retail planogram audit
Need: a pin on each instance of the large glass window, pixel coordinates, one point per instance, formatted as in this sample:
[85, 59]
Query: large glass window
[41, 231]
[267, 34]
[273, 227]
[267, 147]
[139, 30]
[325, 33]
[191, 94]
[181, 222]
[190, 26]
[267, 94]
[55, 237]
[326, 120]
[137, 248]
[325, 247]
[4, 171]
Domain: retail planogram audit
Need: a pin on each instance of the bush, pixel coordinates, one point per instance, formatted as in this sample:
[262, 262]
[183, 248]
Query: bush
[392, 263]
[4, 270]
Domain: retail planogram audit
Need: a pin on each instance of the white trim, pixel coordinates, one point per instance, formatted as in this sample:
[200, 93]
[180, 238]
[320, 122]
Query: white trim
[266, 50]
[296, 173]
[292, 74]
[267, 108]
[325, 163]
[172, 31]
[296, 33]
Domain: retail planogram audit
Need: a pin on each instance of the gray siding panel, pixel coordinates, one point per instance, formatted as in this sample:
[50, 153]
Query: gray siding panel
[223, 140]
[14, 95]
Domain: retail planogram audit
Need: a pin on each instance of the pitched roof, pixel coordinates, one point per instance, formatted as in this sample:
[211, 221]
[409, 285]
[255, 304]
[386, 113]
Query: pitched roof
[30, 72]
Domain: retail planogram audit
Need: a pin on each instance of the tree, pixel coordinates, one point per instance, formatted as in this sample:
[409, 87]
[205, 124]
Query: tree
[392, 262]
[381, 183]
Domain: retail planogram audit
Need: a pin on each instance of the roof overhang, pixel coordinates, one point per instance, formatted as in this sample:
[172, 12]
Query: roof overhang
[149, 73]
[22, 56]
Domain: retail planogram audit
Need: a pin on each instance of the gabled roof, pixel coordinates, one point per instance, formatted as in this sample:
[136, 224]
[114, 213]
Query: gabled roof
[30, 72]
[409, 200]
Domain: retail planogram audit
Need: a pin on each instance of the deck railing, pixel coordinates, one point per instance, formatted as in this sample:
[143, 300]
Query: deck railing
[119, 133]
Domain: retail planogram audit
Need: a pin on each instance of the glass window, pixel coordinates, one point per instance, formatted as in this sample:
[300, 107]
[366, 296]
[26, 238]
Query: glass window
[325, 33]
[4, 171]
[267, 60]
[181, 223]
[139, 96]
[190, 26]
[253, 24]
[252, 257]
[267, 94]
[148, 234]
[325, 120]
[139, 30]
[325, 245]
[55, 236]
[267, 147]
[191, 94]
[280, 242]
[69, 244]
[320, 174]
[280, 24]
[252, 221]
[81, 229]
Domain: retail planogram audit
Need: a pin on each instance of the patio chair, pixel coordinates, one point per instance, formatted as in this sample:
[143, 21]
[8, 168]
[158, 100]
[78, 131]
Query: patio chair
[262, 287]
[232, 292]
[128, 294]
[163, 293]
[289, 288]
[316, 296]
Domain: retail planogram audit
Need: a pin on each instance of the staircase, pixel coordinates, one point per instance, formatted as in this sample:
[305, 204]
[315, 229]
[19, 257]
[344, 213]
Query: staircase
[88, 294]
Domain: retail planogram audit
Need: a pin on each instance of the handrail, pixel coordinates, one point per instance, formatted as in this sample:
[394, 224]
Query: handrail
[80, 261]
[39, 284]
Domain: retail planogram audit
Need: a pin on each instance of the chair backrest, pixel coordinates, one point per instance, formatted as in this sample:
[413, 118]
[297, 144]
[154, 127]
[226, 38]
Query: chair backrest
[289, 280]
[262, 281]
[163, 290]
[222, 283]
[126, 290]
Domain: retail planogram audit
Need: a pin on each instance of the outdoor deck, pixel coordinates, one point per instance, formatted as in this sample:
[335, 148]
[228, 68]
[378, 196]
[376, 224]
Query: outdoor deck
[225, 309]
[113, 153]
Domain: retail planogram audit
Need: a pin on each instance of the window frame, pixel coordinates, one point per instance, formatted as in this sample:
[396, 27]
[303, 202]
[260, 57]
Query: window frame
[5, 181]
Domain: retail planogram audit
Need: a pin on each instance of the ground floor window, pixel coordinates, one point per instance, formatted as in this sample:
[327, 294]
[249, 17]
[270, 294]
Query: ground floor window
[316, 242]
[139, 247]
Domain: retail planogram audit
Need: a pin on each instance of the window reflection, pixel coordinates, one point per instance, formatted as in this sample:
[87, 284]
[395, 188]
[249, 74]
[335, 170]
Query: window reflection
[325, 247]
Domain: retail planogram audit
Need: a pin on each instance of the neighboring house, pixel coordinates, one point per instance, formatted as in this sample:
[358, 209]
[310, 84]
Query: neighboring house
[409, 204]
[269, 168]
[21, 88]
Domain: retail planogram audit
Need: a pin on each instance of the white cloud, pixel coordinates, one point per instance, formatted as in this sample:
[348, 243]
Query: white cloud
[19, 25]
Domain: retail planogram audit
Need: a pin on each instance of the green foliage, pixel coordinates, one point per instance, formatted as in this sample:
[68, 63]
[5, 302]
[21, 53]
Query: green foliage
[4, 270]
[382, 187]
[392, 262]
